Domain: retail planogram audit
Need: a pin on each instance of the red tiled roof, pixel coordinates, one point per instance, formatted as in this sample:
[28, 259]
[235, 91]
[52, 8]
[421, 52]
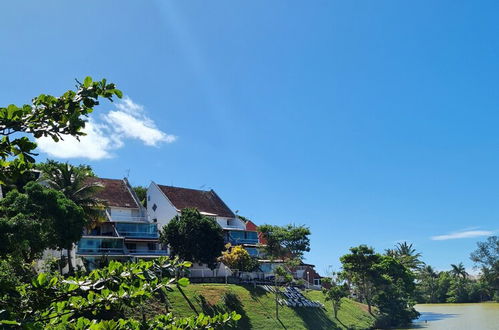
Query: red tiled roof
[202, 200]
[115, 193]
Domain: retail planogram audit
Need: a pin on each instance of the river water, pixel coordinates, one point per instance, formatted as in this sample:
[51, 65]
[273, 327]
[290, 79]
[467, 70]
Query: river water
[458, 316]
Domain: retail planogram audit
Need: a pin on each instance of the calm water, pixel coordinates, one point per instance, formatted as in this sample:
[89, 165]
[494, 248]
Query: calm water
[458, 316]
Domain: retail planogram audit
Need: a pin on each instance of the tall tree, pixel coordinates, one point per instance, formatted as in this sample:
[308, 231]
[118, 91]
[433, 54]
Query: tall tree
[486, 256]
[428, 282]
[76, 184]
[46, 116]
[288, 241]
[394, 289]
[359, 268]
[334, 291]
[458, 270]
[407, 255]
[38, 219]
[194, 237]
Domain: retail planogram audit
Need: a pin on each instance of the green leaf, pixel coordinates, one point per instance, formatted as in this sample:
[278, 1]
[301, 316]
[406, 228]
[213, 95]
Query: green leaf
[9, 322]
[118, 93]
[42, 279]
[87, 82]
[184, 281]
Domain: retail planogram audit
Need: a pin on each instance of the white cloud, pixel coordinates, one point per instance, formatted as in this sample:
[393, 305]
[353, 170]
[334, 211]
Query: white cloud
[462, 234]
[128, 121]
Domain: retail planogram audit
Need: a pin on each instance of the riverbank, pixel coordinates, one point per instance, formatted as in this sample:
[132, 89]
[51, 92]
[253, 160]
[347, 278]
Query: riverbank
[458, 316]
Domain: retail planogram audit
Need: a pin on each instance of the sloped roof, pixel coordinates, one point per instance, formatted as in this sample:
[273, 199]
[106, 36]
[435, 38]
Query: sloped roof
[115, 193]
[203, 200]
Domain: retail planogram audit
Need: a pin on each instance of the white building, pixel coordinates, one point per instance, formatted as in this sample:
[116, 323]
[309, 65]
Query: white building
[165, 202]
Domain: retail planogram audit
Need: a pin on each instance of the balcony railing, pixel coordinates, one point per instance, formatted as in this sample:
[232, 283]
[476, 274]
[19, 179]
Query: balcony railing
[100, 250]
[226, 226]
[125, 217]
[137, 230]
[149, 252]
[137, 234]
[236, 241]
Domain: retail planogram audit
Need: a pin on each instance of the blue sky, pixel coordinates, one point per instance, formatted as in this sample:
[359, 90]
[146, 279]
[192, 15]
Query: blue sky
[369, 121]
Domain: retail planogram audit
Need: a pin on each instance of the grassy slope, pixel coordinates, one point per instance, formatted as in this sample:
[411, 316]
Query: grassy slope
[258, 309]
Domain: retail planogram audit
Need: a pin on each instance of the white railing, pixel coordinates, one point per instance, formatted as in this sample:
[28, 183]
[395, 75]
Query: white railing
[226, 226]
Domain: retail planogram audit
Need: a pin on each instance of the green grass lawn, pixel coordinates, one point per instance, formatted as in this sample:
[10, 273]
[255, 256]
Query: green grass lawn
[257, 308]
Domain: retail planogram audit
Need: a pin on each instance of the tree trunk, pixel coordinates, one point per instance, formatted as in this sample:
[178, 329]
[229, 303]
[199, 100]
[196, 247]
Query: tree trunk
[368, 300]
[276, 302]
[70, 262]
[187, 300]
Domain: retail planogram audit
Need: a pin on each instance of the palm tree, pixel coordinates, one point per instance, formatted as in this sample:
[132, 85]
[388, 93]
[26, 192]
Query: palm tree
[76, 184]
[458, 270]
[407, 255]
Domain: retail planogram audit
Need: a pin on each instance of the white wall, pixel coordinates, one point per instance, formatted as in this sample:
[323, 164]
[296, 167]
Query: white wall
[164, 209]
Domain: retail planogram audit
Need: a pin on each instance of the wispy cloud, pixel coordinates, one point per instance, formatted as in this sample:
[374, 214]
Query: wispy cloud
[127, 121]
[463, 234]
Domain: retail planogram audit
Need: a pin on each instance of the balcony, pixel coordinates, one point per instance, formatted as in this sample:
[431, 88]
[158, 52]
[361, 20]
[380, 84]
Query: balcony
[99, 246]
[237, 241]
[242, 237]
[125, 218]
[137, 230]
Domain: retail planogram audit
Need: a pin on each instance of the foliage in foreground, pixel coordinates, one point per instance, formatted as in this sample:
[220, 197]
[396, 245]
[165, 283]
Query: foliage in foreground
[46, 116]
[98, 300]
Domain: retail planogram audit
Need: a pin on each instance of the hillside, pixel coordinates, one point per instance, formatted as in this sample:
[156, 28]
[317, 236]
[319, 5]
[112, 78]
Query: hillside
[257, 308]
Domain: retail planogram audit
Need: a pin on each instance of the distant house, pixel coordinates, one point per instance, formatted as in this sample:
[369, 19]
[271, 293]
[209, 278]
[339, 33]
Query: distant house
[165, 202]
[126, 233]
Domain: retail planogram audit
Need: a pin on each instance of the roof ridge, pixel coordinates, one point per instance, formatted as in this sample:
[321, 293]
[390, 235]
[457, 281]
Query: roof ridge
[176, 187]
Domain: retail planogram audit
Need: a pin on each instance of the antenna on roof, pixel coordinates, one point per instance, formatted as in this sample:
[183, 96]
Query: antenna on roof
[201, 188]
[127, 173]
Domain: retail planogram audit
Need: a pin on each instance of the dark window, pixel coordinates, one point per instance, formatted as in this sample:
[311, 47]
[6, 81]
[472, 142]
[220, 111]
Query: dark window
[148, 198]
[154, 207]
[151, 246]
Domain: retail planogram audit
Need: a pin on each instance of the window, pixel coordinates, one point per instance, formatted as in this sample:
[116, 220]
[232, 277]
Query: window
[148, 198]
[154, 207]
[317, 281]
[154, 220]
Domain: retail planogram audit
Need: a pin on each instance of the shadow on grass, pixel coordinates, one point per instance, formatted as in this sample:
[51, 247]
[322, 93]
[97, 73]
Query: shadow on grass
[230, 302]
[255, 292]
[315, 318]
